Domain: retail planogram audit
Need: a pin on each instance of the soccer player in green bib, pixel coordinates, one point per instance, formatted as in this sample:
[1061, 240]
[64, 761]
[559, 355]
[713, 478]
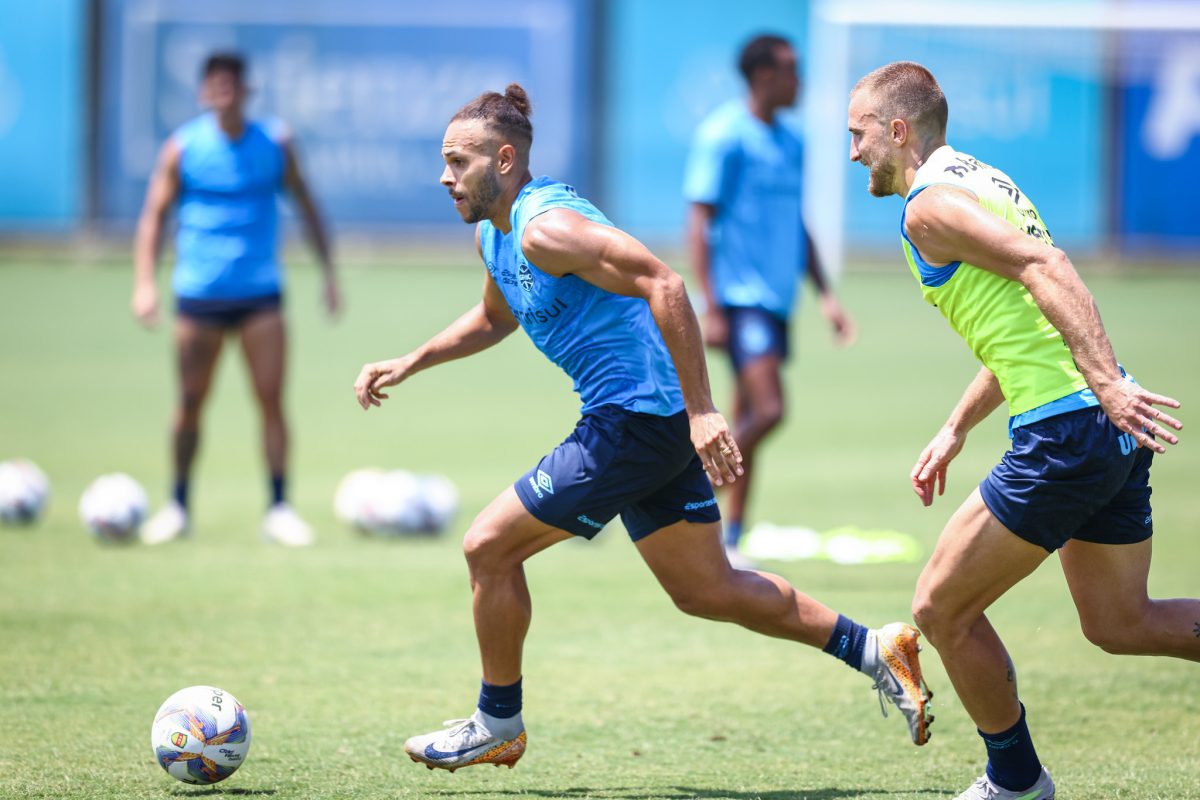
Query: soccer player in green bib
[1076, 479]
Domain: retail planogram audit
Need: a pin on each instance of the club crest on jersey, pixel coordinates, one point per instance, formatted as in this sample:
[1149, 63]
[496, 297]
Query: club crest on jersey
[179, 739]
[525, 277]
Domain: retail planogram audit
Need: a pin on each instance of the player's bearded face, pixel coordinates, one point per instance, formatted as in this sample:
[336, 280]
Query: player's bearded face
[481, 194]
[869, 147]
[882, 177]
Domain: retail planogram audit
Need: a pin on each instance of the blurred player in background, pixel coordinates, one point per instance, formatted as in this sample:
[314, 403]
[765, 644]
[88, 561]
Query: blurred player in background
[1076, 479]
[224, 173]
[749, 247]
[618, 321]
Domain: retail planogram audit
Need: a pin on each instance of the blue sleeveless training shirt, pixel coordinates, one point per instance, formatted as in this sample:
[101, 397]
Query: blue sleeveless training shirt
[228, 219]
[609, 344]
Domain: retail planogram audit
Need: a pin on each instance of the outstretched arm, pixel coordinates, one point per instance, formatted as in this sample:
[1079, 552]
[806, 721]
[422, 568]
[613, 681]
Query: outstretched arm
[947, 224]
[478, 329]
[160, 197]
[313, 225]
[981, 398]
[562, 242]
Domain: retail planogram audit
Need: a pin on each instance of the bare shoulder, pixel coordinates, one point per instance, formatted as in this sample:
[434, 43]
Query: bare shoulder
[937, 207]
[170, 154]
[552, 231]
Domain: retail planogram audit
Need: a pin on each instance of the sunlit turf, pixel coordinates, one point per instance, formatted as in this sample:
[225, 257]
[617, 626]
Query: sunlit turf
[342, 651]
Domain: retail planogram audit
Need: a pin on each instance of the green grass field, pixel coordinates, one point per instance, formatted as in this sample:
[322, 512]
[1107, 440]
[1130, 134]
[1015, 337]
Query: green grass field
[342, 651]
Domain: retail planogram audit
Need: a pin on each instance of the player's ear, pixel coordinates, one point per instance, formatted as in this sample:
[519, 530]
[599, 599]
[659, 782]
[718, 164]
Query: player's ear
[899, 132]
[506, 159]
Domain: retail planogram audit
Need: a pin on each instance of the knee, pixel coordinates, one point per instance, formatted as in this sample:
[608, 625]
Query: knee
[940, 627]
[1120, 637]
[767, 416]
[190, 403]
[698, 601]
[271, 403]
[477, 546]
[484, 549]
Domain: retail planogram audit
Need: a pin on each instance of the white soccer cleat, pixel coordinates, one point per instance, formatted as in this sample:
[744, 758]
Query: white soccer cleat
[465, 743]
[898, 678]
[283, 525]
[168, 523]
[984, 789]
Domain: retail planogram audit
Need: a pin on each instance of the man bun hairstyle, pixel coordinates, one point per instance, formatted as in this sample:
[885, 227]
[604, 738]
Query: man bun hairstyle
[759, 52]
[906, 90]
[506, 114]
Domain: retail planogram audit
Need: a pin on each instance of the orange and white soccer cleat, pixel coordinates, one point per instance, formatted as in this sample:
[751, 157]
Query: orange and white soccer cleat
[466, 743]
[898, 678]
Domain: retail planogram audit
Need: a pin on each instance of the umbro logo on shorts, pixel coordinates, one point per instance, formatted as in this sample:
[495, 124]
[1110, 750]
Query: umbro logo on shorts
[543, 482]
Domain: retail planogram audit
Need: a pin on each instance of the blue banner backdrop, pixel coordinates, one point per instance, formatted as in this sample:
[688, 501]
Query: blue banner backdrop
[367, 87]
[1160, 141]
[41, 114]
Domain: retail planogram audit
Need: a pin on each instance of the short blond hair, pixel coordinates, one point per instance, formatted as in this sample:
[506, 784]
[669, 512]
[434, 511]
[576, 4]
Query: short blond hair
[908, 91]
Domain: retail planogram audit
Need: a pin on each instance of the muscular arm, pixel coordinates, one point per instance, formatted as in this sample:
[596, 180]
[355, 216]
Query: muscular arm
[947, 224]
[482, 326]
[161, 195]
[562, 242]
[314, 226]
[700, 216]
[980, 399]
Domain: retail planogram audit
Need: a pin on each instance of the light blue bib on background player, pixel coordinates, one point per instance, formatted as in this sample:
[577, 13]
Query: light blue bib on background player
[609, 344]
[752, 173]
[226, 248]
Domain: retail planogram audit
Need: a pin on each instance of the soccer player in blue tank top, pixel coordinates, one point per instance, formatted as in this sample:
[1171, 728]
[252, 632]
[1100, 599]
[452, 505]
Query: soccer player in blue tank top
[749, 247]
[617, 320]
[224, 173]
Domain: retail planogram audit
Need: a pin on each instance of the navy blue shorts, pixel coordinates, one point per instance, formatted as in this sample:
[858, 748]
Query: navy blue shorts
[226, 313]
[1072, 476]
[754, 333]
[640, 466]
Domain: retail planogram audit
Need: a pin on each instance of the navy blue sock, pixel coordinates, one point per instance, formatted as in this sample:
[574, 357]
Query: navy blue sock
[180, 493]
[847, 642]
[501, 702]
[278, 483]
[1012, 762]
[733, 533]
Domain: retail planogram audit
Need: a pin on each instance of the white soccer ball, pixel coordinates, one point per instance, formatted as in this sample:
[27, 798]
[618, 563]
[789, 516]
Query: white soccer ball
[353, 498]
[23, 492]
[396, 507]
[395, 503]
[113, 507]
[200, 735]
[440, 497]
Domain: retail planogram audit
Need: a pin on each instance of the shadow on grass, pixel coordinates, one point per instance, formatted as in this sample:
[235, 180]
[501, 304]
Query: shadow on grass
[234, 791]
[684, 793]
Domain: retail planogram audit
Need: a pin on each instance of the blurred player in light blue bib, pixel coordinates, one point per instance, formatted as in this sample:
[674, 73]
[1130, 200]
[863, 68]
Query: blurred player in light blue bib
[223, 173]
[749, 247]
[617, 320]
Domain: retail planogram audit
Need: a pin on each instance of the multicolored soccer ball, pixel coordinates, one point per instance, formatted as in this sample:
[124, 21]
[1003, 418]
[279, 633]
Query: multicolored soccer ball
[396, 503]
[200, 735]
[23, 492]
[113, 507]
